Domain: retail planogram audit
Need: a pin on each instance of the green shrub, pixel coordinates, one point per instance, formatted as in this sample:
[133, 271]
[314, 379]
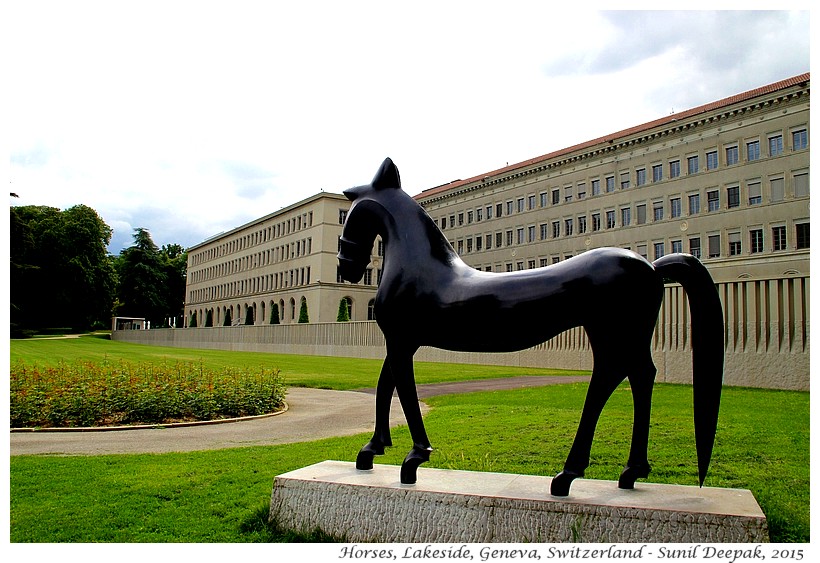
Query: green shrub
[111, 393]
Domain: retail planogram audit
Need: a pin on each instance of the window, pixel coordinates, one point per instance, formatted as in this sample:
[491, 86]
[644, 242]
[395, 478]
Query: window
[674, 169]
[626, 216]
[779, 238]
[755, 197]
[478, 243]
[659, 249]
[479, 214]
[801, 185]
[531, 233]
[469, 245]
[567, 227]
[692, 165]
[677, 246]
[732, 196]
[640, 176]
[657, 172]
[342, 216]
[596, 187]
[610, 219]
[520, 205]
[596, 221]
[556, 196]
[519, 235]
[499, 239]
[509, 207]
[640, 214]
[625, 180]
[752, 150]
[452, 221]
[610, 184]
[531, 264]
[734, 244]
[714, 246]
[470, 217]
[543, 198]
[499, 210]
[674, 207]
[556, 229]
[641, 249]
[802, 235]
[544, 231]
[731, 155]
[531, 202]
[460, 247]
[568, 193]
[582, 190]
[542, 262]
[756, 240]
[713, 200]
[509, 237]
[488, 241]
[443, 223]
[519, 265]
[582, 224]
[460, 219]
[694, 247]
[711, 160]
[775, 145]
[694, 204]
[800, 139]
[657, 211]
[778, 188]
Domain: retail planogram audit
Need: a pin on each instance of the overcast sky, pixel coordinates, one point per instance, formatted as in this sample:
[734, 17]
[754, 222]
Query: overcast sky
[192, 118]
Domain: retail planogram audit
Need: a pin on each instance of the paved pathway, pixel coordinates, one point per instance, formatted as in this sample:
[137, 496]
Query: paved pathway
[312, 414]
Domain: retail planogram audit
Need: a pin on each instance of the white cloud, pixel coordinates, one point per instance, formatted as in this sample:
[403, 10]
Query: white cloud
[193, 118]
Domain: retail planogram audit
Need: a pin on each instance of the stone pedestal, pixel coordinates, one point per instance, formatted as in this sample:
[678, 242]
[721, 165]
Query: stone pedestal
[447, 506]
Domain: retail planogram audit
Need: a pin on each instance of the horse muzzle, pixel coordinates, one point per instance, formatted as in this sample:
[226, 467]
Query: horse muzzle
[353, 259]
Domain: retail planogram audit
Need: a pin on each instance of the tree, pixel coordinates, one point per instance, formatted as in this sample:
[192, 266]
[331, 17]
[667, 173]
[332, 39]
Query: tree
[192, 322]
[343, 315]
[303, 312]
[249, 316]
[209, 318]
[143, 280]
[274, 314]
[61, 273]
[227, 321]
[174, 261]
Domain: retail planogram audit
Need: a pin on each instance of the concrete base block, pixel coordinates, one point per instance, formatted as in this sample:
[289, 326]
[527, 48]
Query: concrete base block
[447, 506]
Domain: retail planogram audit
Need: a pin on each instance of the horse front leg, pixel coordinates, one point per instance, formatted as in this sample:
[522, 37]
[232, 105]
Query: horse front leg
[401, 365]
[381, 435]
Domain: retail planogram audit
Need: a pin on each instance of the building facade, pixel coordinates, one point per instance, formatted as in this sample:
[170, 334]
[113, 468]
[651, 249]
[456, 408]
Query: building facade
[727, 182]
[271, 266]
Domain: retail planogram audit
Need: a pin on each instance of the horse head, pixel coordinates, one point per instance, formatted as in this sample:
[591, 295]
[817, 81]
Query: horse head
[365, 220]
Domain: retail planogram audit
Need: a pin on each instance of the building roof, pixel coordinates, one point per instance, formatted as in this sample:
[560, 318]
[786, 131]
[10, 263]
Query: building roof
[666, 120]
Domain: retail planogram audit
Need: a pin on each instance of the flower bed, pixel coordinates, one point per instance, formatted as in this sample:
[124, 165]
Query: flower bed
[121, 393]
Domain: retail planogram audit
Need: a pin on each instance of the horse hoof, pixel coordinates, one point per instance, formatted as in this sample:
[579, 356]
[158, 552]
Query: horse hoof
[416, 457]
[561, 483]
[364, 461]
[632, 473]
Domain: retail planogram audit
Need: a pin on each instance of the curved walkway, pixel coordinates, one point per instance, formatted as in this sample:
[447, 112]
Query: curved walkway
[312, 414]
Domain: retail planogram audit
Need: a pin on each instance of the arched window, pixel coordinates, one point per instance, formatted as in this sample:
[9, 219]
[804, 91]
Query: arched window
[349, 301]
[371, 314]
[292, 309]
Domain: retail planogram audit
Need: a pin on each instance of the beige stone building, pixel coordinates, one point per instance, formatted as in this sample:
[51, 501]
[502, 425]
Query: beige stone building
[276, 262]
[727, 181]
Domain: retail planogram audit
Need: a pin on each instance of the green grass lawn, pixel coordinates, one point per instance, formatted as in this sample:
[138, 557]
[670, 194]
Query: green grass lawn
[298, 371]
[222, 496]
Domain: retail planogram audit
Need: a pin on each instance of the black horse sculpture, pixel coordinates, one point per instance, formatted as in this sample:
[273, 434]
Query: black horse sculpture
[429, 297]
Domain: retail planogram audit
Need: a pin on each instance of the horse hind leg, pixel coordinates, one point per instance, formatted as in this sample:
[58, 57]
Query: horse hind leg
[381, 434]
[637, 466]
[603, 383]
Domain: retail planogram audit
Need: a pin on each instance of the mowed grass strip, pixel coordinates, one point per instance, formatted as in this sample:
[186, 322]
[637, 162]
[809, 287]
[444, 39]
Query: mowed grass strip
[221, 496]
[321, 372]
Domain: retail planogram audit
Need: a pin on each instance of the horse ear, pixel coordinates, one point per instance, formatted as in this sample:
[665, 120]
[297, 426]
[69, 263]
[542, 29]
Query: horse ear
[387, 176]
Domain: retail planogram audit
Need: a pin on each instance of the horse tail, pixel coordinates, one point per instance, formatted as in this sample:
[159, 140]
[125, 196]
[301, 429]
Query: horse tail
[707, 347]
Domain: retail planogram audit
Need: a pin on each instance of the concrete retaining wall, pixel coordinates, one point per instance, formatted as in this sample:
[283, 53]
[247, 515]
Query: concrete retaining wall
[766, 332]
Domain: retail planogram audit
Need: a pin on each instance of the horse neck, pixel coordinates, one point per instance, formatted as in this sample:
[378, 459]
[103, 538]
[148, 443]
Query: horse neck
[411, 235]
